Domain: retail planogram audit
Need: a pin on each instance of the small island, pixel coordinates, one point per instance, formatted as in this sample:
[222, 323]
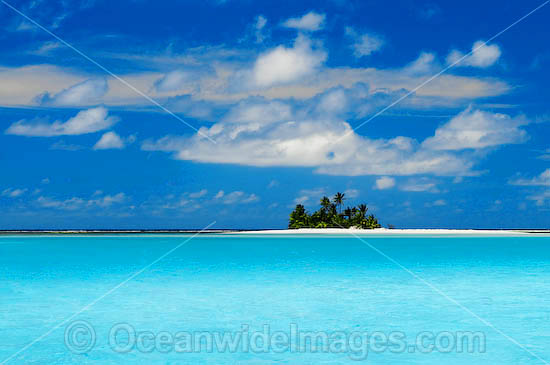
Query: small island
[330, 215]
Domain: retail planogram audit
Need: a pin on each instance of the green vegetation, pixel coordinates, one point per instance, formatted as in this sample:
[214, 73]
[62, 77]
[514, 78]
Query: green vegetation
[330, 215]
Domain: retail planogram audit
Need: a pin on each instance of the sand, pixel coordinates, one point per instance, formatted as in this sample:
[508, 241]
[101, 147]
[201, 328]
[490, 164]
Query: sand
[385, 231]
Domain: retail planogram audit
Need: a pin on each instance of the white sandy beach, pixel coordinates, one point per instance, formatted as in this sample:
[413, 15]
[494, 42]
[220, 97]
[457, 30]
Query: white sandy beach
[392, 232]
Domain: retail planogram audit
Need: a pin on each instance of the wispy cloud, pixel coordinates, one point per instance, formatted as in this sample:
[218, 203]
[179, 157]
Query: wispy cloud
[13, 192]
[436, 203]
[541, 180]
[198, 194]
[310, 196]
[364, 44]
[420, 185]
[237, 197]
[76, 203]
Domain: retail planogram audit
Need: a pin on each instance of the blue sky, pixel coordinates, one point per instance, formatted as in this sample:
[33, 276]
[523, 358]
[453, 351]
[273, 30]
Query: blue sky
[269, 103]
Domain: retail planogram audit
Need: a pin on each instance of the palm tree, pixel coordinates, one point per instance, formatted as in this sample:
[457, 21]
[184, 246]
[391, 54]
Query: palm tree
[330, 215]
[362, 209]
[339, 200]
[348, 213]
[325, 203]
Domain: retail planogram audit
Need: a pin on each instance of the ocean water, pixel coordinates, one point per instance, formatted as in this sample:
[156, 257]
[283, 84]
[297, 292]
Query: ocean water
[388, 300]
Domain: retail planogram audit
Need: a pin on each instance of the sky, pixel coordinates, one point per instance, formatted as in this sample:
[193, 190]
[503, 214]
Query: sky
[178, 114]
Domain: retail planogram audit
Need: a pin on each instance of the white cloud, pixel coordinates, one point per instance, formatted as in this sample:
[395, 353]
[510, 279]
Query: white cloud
[540, 198]
[84, 93]
[183, 80]
[229, 78]
[545, 155]
[220, 194]
[46, 48]
[86, 121]
[258, 112]
[45, 180]
[475, 129]
[13, 193]
[239, 197]
[420, 185]
[323, 141]
[483, 56]
[261, 21]
[109, 140]
[272, 184]
[385, 182]
[198, 194]
[352, 193]
[63, 146]
[310, 196]
[436, 203]
[541, 180]
[283, 65]
[108, 200]
[311, 21]
[68, 204]
[364, 44]
[425, 64]
[76, 203]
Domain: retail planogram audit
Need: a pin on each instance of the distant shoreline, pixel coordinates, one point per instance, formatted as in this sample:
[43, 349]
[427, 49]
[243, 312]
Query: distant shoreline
[113, 231]
[313, 231]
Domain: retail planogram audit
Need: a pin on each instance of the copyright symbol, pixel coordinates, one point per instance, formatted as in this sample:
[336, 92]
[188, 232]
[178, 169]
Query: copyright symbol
[80, 337]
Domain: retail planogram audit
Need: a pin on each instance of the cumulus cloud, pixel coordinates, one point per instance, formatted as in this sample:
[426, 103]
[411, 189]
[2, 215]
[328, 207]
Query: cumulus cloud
[483, 56]
[86, 121]
[311, 21]
[364, 44]
[384, 182]
[541, 180]
[309, 137]
[283, 65]
[109, 140]
[425, 64]
[84, 93]
[475, 129]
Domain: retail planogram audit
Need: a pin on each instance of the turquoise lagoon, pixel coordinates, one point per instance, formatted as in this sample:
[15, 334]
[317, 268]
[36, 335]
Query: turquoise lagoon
[411, 302]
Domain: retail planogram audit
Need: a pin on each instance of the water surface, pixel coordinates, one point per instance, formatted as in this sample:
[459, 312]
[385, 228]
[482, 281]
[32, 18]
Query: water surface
[497, 286]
